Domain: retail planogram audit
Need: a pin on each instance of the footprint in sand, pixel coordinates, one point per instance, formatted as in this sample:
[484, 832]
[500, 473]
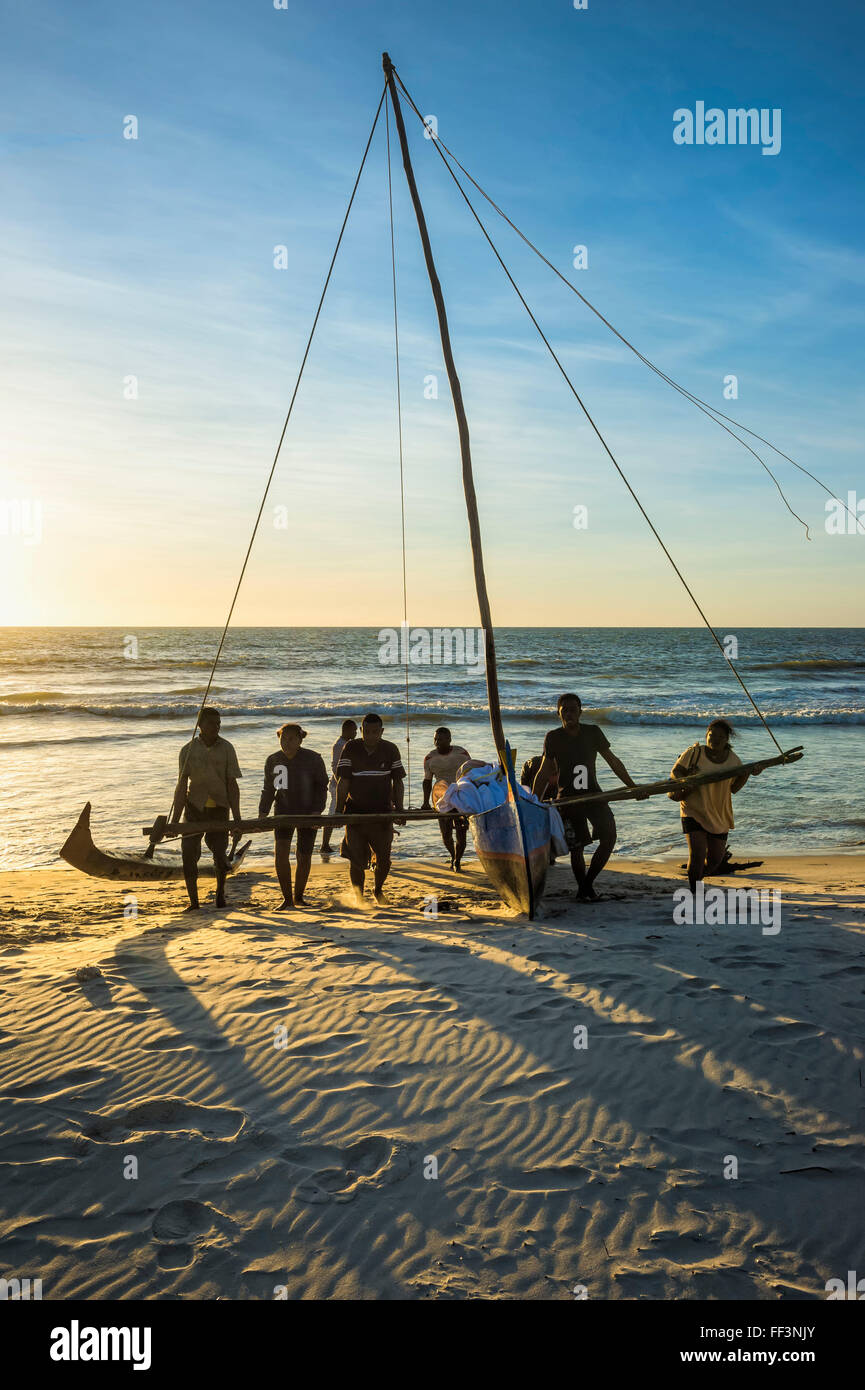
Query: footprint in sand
[372, 1162]
[178, 1221]
[163, 1113]
[562, 1178]
[180, 1226]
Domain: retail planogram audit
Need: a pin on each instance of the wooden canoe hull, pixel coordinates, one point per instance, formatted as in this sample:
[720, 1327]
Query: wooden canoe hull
[512, 842]
[80, 851]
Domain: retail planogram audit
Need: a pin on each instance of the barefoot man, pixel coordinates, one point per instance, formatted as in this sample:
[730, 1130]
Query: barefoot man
[206, 790]
[296, 779]
[571, 752]
[370, 778]
[440, 765]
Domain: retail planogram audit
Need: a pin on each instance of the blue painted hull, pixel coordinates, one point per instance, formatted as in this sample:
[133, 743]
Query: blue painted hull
[512, 842]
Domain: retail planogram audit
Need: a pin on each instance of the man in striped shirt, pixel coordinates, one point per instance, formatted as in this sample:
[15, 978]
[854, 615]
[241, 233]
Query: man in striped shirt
[369, 779]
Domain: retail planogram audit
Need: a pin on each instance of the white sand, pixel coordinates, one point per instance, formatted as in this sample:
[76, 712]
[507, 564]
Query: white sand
[303, 1166]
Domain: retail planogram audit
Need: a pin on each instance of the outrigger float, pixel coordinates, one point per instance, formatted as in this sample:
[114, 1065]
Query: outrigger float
[518, 876]
[512, 839]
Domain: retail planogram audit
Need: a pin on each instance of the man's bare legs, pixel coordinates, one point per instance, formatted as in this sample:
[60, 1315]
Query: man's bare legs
[190, 854]
[190, 850]
[586, 877]
[282, 861]
[357, 880]
[705, 854]
[301, 874]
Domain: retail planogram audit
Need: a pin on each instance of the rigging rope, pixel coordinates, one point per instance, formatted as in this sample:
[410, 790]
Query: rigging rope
[605, 446]
[401, 469]
[148, 853]
[710, 411]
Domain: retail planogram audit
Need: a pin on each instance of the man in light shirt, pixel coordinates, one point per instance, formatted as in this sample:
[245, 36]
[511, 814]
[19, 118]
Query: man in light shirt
[349, 731]
[206, 790]
[440, 765]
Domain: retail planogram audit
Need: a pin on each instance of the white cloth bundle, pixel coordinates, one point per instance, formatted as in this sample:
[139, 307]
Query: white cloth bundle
[484, 787]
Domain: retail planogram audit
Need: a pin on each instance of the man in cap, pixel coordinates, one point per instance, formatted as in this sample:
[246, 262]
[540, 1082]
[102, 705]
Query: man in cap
[206, 790]
[295, 779]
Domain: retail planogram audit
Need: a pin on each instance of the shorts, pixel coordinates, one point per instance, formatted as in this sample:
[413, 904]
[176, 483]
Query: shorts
[577, 823]
[216, 840]
[693, 827]
[360, 839]
[305, 836]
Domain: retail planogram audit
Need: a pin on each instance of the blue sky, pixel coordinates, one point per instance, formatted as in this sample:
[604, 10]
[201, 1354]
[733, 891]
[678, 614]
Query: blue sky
[153, 258]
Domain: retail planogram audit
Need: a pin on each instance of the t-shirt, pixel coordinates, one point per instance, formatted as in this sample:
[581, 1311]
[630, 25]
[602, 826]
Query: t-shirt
[371, 774]
[209, 771]
[712, 804]
[573, 751]
[335, 752]
[298, 784]
[444, 766]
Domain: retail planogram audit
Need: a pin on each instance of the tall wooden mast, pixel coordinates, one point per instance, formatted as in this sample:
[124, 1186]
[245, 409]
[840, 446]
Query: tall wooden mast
[462, 425]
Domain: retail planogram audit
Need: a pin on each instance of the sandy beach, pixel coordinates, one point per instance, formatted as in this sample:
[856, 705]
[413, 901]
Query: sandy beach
[388, 1104]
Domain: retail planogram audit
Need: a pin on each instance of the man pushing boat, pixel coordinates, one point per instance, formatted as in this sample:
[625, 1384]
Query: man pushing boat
[571, 753]
[441, 764]
[370, 779]
[206, 790]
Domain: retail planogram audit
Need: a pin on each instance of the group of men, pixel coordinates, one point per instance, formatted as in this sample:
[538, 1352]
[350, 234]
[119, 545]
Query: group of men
[367, 781]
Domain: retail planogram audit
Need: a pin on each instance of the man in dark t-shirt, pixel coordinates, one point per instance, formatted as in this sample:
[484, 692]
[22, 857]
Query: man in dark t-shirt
[296, 779]
[571, 752]
[369, 778]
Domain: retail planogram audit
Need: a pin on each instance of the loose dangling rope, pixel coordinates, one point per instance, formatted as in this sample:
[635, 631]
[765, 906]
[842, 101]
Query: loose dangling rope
[607, 449]
[710, 411]
[148, 853]
[405, 644]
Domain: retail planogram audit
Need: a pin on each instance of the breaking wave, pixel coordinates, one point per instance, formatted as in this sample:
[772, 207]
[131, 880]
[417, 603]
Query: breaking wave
[452, 708]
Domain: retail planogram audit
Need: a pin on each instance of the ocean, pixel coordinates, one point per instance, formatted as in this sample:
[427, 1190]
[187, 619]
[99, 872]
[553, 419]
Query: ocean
[99, 714]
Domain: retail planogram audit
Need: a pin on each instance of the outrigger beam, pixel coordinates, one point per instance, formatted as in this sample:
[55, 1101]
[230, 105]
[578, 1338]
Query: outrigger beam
[162, 828]
[682, 783]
